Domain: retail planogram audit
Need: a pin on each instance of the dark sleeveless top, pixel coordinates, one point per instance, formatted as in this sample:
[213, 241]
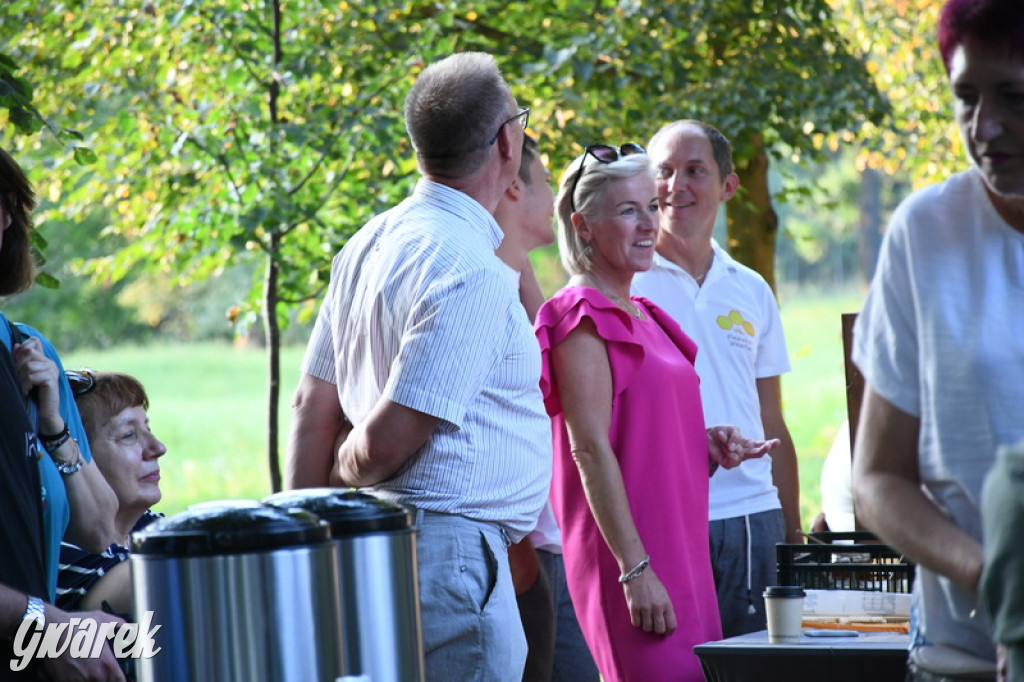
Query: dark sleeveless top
[22, 563]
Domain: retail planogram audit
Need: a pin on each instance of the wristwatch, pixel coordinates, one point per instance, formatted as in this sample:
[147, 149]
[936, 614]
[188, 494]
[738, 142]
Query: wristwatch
[36, 610]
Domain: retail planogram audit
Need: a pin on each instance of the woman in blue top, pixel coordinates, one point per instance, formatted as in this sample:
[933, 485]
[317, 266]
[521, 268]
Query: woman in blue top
[48, 486]
[76, 501]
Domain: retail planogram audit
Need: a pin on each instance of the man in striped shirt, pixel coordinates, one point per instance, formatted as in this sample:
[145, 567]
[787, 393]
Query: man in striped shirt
[421, 380]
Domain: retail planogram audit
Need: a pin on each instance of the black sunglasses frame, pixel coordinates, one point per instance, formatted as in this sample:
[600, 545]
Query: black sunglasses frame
[82, 380]
[605, 153]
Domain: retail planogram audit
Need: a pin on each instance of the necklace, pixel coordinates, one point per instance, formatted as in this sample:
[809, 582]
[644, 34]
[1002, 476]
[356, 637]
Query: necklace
[707, 269]
[629, 307]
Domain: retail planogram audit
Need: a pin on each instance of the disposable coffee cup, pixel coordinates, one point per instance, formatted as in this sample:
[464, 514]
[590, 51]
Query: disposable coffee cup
[784, 606]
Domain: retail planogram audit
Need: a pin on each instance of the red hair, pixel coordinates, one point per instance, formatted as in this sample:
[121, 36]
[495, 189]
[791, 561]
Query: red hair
[994, 23]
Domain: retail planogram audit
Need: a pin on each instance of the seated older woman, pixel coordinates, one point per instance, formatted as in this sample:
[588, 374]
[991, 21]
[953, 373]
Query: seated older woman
[632, 454]
[113, 408]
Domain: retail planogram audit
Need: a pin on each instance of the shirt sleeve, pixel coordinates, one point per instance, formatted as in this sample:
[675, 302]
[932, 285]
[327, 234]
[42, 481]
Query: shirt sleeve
[79, 571]
[885, 337]
[563, 313]
[319, 359]
[772, 356]
[451, 344]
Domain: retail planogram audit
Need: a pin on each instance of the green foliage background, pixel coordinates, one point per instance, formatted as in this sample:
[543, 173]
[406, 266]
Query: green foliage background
[205, 150]
[208, 134]
[233, 131]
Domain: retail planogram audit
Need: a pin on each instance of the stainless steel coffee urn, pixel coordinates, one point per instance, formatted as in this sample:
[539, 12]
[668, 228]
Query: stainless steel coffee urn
[377, 580]
[242, 592]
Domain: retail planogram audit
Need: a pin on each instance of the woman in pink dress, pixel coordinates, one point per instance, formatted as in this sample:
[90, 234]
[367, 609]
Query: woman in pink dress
[632, 455]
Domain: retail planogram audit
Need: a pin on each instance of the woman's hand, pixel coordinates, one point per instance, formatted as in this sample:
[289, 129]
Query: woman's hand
[67, 666]
[650, 607]
[37, 372]
[728, 448]
[92, 502]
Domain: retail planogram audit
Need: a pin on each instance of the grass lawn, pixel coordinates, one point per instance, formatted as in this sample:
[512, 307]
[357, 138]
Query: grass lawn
[208, 403]
[814, 392]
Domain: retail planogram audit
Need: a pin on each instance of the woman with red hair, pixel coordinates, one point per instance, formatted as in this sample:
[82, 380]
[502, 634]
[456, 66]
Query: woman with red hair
[939, 343]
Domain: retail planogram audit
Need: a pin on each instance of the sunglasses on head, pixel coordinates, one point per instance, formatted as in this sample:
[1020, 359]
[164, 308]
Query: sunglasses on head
[605, 153]
[82, 380]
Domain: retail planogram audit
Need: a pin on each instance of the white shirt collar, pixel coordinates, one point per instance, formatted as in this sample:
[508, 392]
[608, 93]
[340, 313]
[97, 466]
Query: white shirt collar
[460, 204]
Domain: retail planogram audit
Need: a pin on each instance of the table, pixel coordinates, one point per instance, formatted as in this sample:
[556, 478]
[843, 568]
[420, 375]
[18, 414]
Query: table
[874, 656]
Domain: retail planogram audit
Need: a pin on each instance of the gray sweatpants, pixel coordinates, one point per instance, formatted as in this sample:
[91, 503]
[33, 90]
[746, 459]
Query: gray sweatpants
[740, 586]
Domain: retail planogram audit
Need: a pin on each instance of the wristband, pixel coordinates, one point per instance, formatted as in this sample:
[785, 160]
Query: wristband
[51, 443]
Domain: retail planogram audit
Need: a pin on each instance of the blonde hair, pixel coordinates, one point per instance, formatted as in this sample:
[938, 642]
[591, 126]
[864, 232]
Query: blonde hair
[572, 249]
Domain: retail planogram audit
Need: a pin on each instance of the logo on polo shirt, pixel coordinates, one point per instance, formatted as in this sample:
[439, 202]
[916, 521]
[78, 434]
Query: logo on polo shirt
[735, 320]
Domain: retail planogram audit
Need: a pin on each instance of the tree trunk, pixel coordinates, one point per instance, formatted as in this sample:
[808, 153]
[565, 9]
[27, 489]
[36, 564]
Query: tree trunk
[752, 222]
[270, 297]
[869, 239]
[273, 336]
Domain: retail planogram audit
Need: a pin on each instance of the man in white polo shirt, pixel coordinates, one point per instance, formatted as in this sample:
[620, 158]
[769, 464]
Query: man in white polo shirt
[421, 378]
[730, 311]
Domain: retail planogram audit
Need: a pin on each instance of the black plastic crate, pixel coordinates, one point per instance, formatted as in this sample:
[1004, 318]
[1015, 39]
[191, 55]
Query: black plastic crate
[829, 564]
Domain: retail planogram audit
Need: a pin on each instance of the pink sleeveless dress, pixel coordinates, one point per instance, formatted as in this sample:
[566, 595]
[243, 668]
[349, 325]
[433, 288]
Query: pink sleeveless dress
[657, 434]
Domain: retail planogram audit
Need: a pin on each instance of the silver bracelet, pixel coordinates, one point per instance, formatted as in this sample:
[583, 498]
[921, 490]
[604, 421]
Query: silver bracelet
[636, 571]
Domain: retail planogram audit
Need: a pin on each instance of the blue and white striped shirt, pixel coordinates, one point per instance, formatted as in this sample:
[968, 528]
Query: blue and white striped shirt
[421, 312]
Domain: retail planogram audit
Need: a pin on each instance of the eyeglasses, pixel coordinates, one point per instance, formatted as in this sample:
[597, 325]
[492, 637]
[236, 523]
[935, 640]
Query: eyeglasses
[523, 115]
[82, 380]
[605, 154]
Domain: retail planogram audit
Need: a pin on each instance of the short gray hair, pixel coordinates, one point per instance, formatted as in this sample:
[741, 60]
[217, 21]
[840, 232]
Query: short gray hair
[574, 252]
[453, 110]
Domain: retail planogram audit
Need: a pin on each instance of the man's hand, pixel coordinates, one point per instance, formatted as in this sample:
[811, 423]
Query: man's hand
[524, 564]
[728, 448]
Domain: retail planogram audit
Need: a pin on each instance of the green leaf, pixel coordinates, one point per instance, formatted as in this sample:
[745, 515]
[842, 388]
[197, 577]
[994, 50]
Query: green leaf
[45, 279]
[25, 120]
[37, 240]
[84, 156]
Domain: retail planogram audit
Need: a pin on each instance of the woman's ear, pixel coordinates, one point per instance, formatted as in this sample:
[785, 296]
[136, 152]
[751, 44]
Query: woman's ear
[579, 223]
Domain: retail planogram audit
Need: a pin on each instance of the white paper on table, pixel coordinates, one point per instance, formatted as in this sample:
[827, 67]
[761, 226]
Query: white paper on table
[855, 603]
